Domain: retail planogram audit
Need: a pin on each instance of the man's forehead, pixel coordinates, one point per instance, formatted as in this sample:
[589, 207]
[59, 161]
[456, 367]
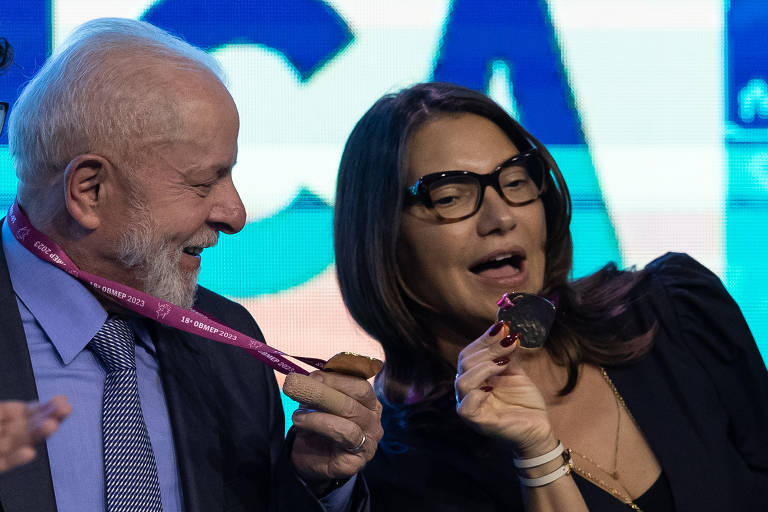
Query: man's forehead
[191, 122]
[189, 156]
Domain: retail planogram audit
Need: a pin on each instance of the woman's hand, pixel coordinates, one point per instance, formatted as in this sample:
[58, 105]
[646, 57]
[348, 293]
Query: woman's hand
[496, 396]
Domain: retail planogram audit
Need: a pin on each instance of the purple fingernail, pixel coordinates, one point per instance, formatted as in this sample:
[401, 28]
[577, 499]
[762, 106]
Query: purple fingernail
[509, 340]
[496, 328]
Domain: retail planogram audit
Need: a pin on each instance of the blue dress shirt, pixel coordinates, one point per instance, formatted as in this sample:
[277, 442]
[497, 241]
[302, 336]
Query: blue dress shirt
[60, 316]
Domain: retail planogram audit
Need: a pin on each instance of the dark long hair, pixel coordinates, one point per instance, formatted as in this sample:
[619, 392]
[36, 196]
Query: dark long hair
[369, 201]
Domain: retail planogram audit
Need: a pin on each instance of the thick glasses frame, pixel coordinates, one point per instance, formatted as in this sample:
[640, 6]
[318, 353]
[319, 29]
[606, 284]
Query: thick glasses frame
[419, 191]
[3, 114]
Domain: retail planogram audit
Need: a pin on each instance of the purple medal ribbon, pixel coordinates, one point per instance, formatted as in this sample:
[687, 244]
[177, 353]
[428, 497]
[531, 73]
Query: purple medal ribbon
[148, 306]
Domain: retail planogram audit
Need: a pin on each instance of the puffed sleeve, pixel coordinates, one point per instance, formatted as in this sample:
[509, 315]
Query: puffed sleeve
[714, 330]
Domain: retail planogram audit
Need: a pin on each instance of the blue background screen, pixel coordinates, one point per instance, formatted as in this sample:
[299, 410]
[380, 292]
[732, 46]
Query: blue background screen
[657, 112]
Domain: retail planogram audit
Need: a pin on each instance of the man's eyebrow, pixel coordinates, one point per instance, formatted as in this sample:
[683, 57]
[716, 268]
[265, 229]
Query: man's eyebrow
[218, 170]
[228, 168]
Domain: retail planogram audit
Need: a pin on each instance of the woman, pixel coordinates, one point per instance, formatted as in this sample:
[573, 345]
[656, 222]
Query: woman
[650, 379]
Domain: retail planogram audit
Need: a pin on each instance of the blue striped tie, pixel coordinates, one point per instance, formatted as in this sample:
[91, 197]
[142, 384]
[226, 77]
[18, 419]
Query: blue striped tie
[130, 472]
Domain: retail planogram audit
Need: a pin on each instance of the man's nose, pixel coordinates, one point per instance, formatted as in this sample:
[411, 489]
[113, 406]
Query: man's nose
[228, 213]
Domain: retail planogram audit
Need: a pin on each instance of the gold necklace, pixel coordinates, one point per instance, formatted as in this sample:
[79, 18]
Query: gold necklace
[623, 497]
[614, 473]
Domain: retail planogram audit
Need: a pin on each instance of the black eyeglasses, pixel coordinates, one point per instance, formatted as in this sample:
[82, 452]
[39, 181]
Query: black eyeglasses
[456, 195]
[3, 113]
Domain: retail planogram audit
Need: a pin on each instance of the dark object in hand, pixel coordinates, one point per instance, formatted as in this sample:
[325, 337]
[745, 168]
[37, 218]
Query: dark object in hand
[529, 315]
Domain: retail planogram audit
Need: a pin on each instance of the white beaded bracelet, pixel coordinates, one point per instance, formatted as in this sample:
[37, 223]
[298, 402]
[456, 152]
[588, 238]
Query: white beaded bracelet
[547, 479]
[541, 459]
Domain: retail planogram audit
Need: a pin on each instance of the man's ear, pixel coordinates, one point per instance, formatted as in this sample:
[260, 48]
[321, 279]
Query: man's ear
[83, 180]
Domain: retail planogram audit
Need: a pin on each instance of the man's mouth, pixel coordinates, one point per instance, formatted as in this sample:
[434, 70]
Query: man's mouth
[193, 251]
[199, 242]
[500, 265]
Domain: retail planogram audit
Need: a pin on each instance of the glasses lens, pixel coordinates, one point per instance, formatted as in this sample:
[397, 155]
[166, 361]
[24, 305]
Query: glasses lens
[454, 196]
[522, 182]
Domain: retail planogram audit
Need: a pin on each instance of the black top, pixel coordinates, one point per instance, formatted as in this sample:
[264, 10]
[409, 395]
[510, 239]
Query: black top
[657, 497]
[700, 397]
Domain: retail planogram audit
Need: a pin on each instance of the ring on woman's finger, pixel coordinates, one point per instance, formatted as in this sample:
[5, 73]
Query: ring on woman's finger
[359, 447]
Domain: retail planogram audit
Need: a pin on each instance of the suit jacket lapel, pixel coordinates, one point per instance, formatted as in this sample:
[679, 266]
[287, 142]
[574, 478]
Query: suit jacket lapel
[29, 487]
[192, 409]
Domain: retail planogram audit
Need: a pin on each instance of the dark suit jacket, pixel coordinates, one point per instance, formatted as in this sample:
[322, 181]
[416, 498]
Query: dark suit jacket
[225, 412]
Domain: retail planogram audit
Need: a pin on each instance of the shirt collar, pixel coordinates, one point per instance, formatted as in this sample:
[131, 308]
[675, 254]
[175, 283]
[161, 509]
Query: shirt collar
[64, 308]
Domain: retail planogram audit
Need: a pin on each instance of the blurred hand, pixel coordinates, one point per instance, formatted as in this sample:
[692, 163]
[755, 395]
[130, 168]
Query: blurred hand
[23, 425]
[496, 396]
[340, 437]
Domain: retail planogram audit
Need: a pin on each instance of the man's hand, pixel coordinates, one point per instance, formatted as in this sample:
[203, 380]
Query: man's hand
[336, 440]
[23, 425]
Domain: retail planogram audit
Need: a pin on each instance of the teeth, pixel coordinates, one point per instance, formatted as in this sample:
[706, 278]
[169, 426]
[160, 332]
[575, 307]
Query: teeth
[502, 257]
[194, 251]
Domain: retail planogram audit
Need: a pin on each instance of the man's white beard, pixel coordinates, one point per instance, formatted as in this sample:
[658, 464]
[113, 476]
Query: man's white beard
[143, 247]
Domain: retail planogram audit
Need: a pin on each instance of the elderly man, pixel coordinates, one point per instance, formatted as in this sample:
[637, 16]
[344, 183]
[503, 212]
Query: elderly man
[124, 145]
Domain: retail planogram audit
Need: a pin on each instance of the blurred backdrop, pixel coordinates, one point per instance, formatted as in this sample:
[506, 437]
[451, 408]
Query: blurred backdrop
[656, 110]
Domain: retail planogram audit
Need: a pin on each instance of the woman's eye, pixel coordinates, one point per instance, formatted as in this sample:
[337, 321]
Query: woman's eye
[445, 200]
[449, 194]
[515, 179]
[516, 183]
